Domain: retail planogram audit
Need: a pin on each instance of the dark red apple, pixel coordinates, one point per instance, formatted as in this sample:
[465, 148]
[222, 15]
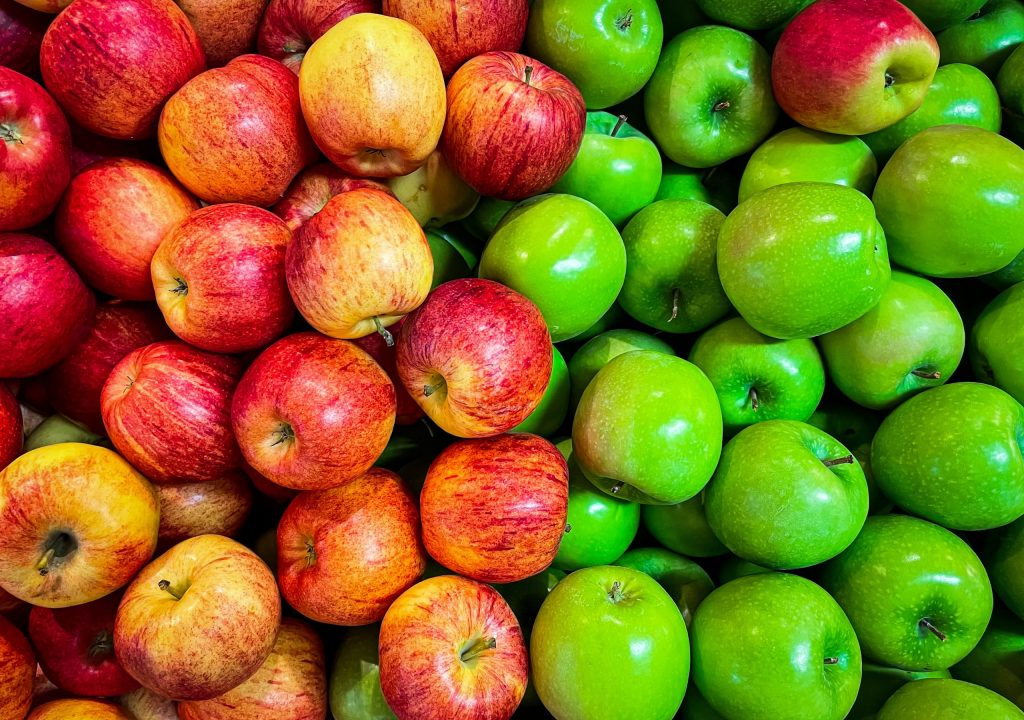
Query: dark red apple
[88, 147]
[289, 27]
[21, 34]
[17, 672]
[11, 428]
[408, 412]
[312, 188]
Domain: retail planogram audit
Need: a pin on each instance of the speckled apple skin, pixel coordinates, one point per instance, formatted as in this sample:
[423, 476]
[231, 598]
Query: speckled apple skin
[17, 672]
[312, 188]
[77, 709]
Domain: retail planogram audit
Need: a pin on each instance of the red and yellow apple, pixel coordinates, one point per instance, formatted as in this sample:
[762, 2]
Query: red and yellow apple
[433, 193]
[17, 672]
[11, 427]
[78, 709]
[312, 188]
[226, 28]
[21, 34]
[215, 507]
[407, 412]
[277, 494]
[289, 27]
[145, 704]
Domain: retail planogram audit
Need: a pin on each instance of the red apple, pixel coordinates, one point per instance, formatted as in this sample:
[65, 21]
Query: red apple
[226, 28]
[344, 554]
[46, 307]
[853, 66]
[145, 704]
[312, 188]
[88, 147]
[476, 356]
[76, 648]
[514, 125]
[74, 384]
[289, 27]
[278, 494]
[312, 412]
[43, 691]
[35, 152]
[11, 427]
[21, 34]
[219, 278]
[459, 31]
[359, 265]
[78, 709]
[167, 409]
[452, 648]
[216, 507]
[236, 133]
[407, 411]
[17, 672]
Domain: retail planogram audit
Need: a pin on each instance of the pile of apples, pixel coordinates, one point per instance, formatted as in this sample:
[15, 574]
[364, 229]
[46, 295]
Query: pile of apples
[586, 359]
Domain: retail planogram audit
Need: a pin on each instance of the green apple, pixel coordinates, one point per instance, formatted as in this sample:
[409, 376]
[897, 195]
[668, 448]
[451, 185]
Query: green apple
[59, 429]
[615, 317]
[947, 700]
[486, 216]
[913, 339]
[786, 495]
[997, 662]
[916, 593]
[608, 48]
[683, 528]
[617, 168]
[598, 527]
[526, 596]
[434, 193]
[959, 95]
[1006, 565]
[803, 259]
[747, 15]
[854, 426]
[997, 342]
[671, 277]
[547, 417]
[1009, 275]
[775, 646]
[679, 15]
[734, 567]
[682, 578]
[879, 683]
[953, 455]
[695, 707]
[599, 350]
[718, 186]
[609, 642]
[803, 155]
[1010, 83]
[562, 253]
[986, 39]
[757, 377]
[648, 428]
[710, 98]
[940, 14]
[355, 677]
[452, 257]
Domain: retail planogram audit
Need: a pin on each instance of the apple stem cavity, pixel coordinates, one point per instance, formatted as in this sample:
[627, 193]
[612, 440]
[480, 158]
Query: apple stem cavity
[626, 21]
[429, 390]
[844, 460]
[58, 546]
[283, 434]
[675, 304]
[615, 594]
[926, 624]
[165, 585]
[181, 288]
[102, 646]
[527, 74]
[755, 404]
[934, 375]
[8, 133]
[831, 661]
[618, 125]
[479, 647]
[389, 339]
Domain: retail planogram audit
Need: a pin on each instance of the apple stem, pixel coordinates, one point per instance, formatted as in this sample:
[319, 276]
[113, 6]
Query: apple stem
[754, 402]
[722, 105]
[43, 566]
[616, 594]
[58, 545]
[831, 661]
[389, 339]
[429, 390]
[614, 489]
[936, 375]
[102, 645]
[568, 528]
[9, 134]
[479, 647]
[310, 554]
[927, 625]
[284, 433]
[181, 288]
[675, 304]
[618, 125]
[844, 460]
[889, 80]
[626, 21]
[527, 74]
[165, 585]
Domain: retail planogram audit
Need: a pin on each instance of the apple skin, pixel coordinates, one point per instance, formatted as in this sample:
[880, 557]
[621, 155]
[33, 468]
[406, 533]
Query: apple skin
[476, 356]
[1011, 91]
[996, 661]
[36, 163]
[170, 384]
[551, 412]
[485, 217]
[599, 350]
[77, 709]
[354, 689]
[940, 14]
[953, 455]
[407, 412]
[880, 63]
[345, 554]
[17, 672]
[879, 683]
[784, 230]
[433, 193]
[682, 578]
[751, 16]
[313, 188]
[359, 265]
[514, 125]
[218, 507]
[996, 339]
[791, 626]
[494, 509]
[21, 33]
[12, 433]
[226, 28]
[113, 65]
[112, 219]
[424, 636]
[900, 573]
[219, 278]
[683, 528]
[91, 508]
[289, 27]
[143, 704]
[454, 258]
[1004, 566]
[939, 699]
[985, 41]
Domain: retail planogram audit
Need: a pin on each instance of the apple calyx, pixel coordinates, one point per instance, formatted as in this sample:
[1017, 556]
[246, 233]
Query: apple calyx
[626, 21]
[755, 404]
[57, 548]
[389, 339]
[922, 373]
[477, 648]
[181, 288]
[618, 125]
[926, 624]
[721, 105]
[527, 74]
[675, 304]
[101, 647]
[615, 594]
[844, 460]
[889, 80]
[9, 133]
[831, 661]
[165, 585]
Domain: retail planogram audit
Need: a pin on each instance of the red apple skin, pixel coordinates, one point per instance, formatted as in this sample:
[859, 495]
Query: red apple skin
[78, 709]
[407, 412]
[216, 507]
[459, 31]
[277, 494]
[508, 137]
[219, 278]
[11, 427]
[88, 147]
[312, 188]
[476, 356]
[167, 410]
[289, 27]
[226, 28]
[17, 672]
[421, 672]
[35, 152]
[73, 385]
[46, 307]
[344, 554]
[21, 34]
[112, 64]
[236, 133]
[75, 648]
[312, 412]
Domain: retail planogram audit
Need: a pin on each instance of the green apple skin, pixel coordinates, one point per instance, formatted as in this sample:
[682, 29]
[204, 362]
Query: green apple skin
[902, 574]
[852, 425]
[997, 662]
[912, 340]
[683, 579]
[803, 259]
[1009, 275]
[683, 528]
[997, 339]
[615, 317]
[718, 186]
[734, 567]
[752, 16]
[547, 417]
[775, 646]
[452, 259]
[1010, 83]
[648, 428]
[598, 527]
[710, 98]
[775, 502]
[879, 683]
[599, 350]
[485, 217]
[679, 15]
[608, 48]
[564, 254]
[695, 707]
[1006, 566]
[959, 95]
[947, 700]
[953, 455]
[628, 650]
[671, 277]
[757, 377]
[985, 41]
[951, 201]
[59, 429]
[802, 155]
[617, 168]
[940, 14]
[355, 677]
[526, 596]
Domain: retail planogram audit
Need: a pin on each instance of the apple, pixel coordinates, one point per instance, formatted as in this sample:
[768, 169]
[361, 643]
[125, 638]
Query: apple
[879, 683]
[17, 671]
[219, 278]
[77, 522]
[1011, 90]
[312, 188]
[986, 38]
[996, 661]
[58, 429]
[514, 125]
[199, 620]
[78, 709]
[600, 349]
[994, 337]
[312, 412]
[940, 14]
[112, 219]
[88, 147]
[939, 699]
[751, 16]
[551, 412]
[433, 193]
[485, 217]
[682, 578]
[289, 27]
[11, 427]
[683, 528]
[226, 28]
[354, 689]
[476, 356]
[36, 163]
[407, 412]
[359, 265]
[218, 507]
[21, 34]
[113, 64]
[172, 385]
[145, 704]
[1004, 565]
